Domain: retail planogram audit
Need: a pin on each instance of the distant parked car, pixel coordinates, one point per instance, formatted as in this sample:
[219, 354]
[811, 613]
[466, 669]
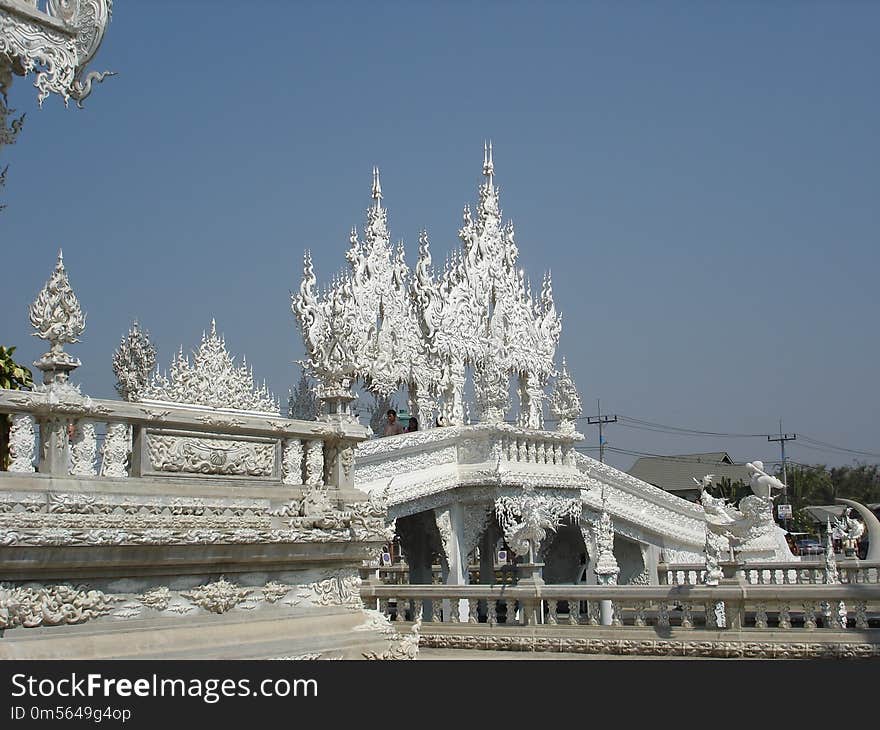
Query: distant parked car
[809, 546]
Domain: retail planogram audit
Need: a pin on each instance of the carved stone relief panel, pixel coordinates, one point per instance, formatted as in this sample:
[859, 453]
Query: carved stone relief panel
[177, 453]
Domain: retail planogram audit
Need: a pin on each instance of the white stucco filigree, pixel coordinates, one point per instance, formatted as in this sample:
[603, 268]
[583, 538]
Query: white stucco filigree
[213, 380]
[57, 43]
[134, 362]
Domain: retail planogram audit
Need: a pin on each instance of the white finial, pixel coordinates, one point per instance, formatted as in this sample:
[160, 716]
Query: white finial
[60, 256]
[213, 327]
[488, 163]
[377, 188]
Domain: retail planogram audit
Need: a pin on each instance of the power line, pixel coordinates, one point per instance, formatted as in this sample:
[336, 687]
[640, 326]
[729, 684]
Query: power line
[650, 425]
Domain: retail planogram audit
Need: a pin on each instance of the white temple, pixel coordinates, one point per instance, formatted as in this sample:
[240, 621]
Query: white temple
[385, 326]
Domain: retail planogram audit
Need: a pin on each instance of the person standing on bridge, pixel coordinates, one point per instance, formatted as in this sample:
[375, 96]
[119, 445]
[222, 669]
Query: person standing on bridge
[393, 427]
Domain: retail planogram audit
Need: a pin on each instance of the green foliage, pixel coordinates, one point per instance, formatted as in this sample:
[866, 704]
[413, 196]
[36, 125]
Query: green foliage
[818, 485]
[730, 490]
[12, 375]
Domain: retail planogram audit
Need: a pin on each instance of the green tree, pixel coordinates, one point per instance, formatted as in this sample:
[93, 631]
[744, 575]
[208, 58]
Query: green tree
[12, 377]
[810, 485]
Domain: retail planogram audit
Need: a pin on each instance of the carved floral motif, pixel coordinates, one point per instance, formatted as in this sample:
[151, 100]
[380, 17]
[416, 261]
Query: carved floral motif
[218, 596]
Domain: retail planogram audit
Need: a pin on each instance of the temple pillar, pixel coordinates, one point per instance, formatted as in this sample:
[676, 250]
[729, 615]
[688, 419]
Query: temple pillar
[416, 542]
[450, 523]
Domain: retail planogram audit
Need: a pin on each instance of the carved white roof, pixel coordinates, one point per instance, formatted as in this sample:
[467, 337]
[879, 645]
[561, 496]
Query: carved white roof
[212, 380]
[388, 326]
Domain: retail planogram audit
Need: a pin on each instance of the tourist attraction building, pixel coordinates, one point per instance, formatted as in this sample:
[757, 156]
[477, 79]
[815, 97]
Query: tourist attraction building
[190, 518]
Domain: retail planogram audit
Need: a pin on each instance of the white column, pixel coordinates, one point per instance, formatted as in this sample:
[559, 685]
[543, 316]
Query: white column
[450, 522]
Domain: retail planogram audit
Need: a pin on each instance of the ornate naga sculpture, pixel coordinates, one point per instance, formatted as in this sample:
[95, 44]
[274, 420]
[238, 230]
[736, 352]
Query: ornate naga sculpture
[848, 530]
[387, 326]
[57, 42]
[749, 524]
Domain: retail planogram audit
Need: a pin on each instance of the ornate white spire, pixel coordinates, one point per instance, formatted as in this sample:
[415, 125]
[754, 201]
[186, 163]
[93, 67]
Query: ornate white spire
[376, 192]
[423, 331]
[134, 362]
[565, 403]
[213, 380]
[55, 314]
[57, 317]
[488, 162]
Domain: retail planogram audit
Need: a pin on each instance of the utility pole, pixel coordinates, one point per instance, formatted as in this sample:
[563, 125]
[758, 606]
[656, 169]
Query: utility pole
[600, 421]
[782, 438]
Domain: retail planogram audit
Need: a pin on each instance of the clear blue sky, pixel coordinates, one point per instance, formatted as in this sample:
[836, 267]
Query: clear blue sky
[701, 178]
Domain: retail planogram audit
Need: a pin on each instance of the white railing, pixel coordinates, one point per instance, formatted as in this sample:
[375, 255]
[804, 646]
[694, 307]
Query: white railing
[789, 608]
[141, 440]
[769, 573]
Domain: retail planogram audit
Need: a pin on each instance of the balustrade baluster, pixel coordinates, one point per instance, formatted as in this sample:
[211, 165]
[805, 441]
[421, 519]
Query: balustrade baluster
[511, 611]
[454, 613]
[292, 462]
[616, 614]
[574, 611]
[809, 615]
[401, 609]
[760, 616]
[540, 453]
[473, 617]
[522, 453]
[115, 451]
[435, 611]
[491, 612]
[551, 611]
[687, 619]
[861, 615]
[314, 462]
[641, 618]
[383, 607]
[663, 615]
[83, 450]
[22, 439]
[419, 608]
[594, 617]
[784, 616]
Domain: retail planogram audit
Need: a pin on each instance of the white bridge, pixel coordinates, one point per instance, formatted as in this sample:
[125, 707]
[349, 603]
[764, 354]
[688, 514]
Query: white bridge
[468, 485]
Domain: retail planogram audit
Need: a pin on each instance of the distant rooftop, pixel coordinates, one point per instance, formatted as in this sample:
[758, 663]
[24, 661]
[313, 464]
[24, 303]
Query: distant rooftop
[676, 474]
